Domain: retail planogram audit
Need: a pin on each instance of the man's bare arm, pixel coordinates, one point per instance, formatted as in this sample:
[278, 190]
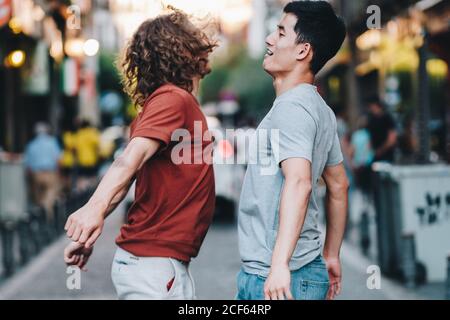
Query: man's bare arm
[119, 197]
[293, 206]
[336, 214]
[336, 208]
[85, 225]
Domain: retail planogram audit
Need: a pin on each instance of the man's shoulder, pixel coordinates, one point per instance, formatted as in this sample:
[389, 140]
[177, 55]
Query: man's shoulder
[171, 92]
[292, 109]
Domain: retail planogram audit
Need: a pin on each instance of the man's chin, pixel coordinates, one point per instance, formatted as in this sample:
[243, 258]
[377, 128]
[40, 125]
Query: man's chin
[268, 71]
[266, 67]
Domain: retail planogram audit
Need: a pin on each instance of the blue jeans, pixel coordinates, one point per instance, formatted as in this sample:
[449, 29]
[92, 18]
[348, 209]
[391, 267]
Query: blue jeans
[310, 282]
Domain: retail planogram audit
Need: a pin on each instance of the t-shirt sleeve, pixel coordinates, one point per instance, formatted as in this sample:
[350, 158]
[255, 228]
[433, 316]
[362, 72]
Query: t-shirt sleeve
[296, 132]
[335, 154]
[161, 116]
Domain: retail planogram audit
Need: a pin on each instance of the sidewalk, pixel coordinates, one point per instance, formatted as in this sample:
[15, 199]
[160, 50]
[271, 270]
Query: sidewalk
[214, 270]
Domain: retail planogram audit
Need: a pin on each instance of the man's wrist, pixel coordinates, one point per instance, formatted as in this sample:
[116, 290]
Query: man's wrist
[279, 263]
[99, 206]
[331, 255]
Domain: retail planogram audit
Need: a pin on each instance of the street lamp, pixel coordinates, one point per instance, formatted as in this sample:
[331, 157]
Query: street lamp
[74, 48]
[15, 25]
[91, 47]
[15, 59]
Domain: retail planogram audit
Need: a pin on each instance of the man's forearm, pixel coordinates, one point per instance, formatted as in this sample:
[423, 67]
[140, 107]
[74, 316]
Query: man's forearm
[118, 198]
[115, 182]
[294, 203]
[336, 212]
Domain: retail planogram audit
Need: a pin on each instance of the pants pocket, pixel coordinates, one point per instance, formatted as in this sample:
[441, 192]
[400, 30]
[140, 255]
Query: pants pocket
[313, 290]
[250, 286]
[175, 288]
[311, 282]
[183, 287]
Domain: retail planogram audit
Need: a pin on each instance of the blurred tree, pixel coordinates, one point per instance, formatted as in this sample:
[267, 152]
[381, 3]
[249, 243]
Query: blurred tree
[253, 86]
[245, 77]
[214, 83]
[109, 80]
[109, 77]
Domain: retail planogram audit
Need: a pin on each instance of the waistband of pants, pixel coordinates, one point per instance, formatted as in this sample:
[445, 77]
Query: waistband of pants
[121, 253]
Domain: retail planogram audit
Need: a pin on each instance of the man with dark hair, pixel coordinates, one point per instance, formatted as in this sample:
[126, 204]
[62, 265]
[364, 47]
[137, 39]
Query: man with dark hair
[279, 239]
[381, 126]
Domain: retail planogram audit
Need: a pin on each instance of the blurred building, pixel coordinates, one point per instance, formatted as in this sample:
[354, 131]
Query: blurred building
[404, 61]
[49, 64]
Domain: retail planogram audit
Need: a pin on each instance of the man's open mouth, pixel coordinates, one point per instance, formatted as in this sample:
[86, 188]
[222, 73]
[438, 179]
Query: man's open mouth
[269, 52]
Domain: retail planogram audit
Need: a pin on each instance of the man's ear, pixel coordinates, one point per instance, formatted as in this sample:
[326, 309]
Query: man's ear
[303, 50]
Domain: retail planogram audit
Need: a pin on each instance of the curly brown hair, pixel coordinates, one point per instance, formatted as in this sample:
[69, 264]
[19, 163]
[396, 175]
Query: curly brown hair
[166, 49]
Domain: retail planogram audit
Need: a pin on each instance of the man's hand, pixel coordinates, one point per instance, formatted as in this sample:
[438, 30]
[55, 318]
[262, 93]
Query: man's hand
[85, 225]
[76, 254]
[278, 284]
[334, 273]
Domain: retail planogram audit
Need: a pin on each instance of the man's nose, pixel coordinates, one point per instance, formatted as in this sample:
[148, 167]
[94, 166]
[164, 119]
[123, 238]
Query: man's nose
[269, 40]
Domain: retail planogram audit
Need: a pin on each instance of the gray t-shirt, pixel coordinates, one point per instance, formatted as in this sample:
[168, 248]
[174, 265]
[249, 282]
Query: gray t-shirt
[299, 125]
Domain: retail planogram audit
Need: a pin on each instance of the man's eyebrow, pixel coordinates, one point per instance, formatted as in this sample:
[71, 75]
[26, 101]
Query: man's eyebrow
[280, 27]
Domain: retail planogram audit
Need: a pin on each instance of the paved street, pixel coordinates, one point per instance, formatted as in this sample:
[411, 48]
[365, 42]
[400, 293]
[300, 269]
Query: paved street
[214, 270]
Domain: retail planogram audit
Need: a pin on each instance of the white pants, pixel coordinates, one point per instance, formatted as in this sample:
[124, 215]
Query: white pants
[148, 278]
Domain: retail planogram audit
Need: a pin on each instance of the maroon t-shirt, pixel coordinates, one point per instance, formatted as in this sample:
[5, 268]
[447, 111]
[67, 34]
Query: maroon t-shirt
[174, 202]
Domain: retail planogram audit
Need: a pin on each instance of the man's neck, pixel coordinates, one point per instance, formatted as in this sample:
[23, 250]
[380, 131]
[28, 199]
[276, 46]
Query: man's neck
[283, 84]
[195, 86]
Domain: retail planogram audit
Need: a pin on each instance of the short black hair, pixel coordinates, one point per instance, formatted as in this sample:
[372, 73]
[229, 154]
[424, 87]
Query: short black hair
[318, 25]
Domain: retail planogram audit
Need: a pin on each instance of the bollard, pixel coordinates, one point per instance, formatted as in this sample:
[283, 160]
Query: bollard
[68, 207]
[364, 233]
[63, 214]
[409, 260]
[7, 235]
[35, 234]
[59, 218]
[25, 240]
[447, 286]
[41, 218]
[49, 223]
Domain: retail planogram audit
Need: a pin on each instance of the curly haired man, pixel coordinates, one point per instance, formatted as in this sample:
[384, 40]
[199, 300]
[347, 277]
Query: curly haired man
[174, 203]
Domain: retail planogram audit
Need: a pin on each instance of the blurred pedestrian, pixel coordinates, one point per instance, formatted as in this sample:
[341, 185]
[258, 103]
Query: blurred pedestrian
[86, 145]
[382, 131]
[42, 155]
[279, 237]
[362, 159]
[68, 162]
[174, 204]
[362, 156]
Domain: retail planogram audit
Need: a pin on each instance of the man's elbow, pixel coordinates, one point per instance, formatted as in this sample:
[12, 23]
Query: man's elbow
[302, 185]
[340, 187]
